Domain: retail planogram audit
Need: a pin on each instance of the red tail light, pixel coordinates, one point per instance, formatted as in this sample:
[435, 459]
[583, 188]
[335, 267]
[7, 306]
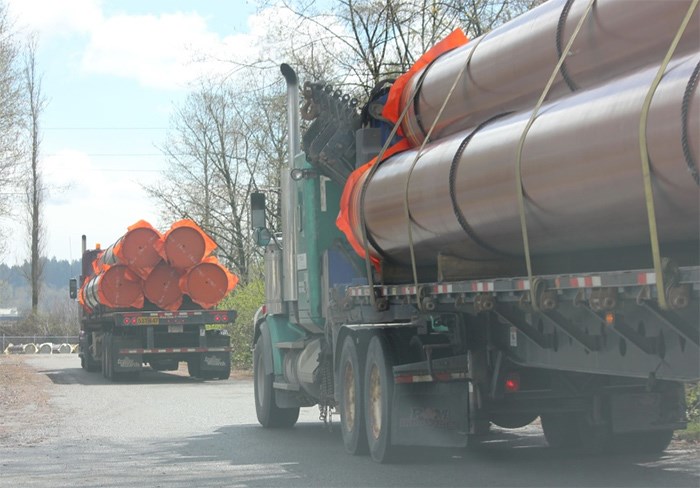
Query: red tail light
[512, 383]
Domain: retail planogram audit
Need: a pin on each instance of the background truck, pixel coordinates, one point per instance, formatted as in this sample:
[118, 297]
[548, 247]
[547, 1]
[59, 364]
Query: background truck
[494, 264]
[119, 340]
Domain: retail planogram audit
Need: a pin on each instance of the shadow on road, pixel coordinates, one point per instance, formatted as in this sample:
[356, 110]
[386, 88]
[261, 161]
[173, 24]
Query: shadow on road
[310, 455]
[78, 376]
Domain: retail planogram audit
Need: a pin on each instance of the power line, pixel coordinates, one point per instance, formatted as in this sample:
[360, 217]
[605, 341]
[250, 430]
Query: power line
[119, 155]
[105, 128]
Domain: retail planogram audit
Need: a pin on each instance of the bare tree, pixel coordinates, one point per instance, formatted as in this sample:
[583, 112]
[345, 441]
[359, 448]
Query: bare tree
[371, 40]
[35, 185]
[10, 114]
[226, 142]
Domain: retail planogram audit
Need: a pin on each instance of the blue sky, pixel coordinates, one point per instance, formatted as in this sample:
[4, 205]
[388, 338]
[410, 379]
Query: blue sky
[113, 70]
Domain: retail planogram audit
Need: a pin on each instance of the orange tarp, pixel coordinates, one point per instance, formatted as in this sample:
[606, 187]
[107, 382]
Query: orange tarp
[346, 220]
[208, 282]
[185, 244]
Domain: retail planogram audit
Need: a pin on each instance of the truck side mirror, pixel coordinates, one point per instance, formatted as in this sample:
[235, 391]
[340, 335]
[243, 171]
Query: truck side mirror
[73, 288]
[258, 219]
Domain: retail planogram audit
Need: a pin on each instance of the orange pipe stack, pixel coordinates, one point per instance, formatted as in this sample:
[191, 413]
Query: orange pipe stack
[135, 249]
[161, 268]
[162, 287]
[114, 287]
[208, 282]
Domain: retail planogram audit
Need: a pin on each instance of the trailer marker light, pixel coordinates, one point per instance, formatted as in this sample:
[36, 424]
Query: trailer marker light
[512, 383]
[610, 318]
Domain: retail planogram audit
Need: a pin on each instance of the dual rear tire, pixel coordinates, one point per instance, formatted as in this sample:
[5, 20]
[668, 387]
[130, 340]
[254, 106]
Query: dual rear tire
[366, 390]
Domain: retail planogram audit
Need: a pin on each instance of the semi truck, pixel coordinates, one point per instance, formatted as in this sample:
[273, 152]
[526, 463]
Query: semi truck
[508, 231]
[119, 338]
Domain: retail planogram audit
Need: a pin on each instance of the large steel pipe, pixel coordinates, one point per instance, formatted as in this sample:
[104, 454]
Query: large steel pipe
[581, 173]
[117, 287]
[135, 249]
[510, 65]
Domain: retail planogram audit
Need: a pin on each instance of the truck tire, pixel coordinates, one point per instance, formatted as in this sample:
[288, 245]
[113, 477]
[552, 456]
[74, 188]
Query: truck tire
[269, 414]
[652, 442]
[575, 430]
[106, 356]
[193, 368]
[352, 423]
[225, 374]
[561, 430]
[90, 365]
[378, 391]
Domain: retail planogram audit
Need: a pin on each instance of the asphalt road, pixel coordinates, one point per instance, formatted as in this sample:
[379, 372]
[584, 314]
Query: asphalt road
[171, 431]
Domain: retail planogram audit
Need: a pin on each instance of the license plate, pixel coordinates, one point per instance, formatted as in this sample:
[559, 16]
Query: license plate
[175, 328]
[147, 320]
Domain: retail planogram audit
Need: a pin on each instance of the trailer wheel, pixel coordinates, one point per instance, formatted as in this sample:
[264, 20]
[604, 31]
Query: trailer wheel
[351, 405]
[561, 430]
[268, 413]
[378, 390]
[106, 356]
[226, 374]
[193, 368]
[90, 365]
[651, 442]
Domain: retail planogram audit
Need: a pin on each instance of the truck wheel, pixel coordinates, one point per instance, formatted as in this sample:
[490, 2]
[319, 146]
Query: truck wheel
[561, 430]
[378, 390]
[268, 413]
[107, 357]
[104, 356]
[351, 406]
[90, 365]
[226, 374]
[193, 368]
[651, 442]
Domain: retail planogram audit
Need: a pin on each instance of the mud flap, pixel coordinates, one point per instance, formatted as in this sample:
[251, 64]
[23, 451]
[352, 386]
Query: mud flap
[215, 362]
[125, 362]
[430, 414]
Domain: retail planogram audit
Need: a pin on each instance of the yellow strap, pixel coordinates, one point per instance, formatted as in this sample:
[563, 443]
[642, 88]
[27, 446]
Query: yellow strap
[646, 167]
[521, 144]
[407, 211]
[372, 170]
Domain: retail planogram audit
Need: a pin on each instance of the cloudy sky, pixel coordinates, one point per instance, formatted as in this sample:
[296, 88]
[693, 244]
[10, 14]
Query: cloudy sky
[113, 70]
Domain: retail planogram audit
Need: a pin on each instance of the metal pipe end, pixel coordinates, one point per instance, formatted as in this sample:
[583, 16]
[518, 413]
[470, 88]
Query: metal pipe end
[289, 74]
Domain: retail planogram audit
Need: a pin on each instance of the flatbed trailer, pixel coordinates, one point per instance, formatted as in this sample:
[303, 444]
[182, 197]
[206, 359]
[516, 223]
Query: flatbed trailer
[119, 343]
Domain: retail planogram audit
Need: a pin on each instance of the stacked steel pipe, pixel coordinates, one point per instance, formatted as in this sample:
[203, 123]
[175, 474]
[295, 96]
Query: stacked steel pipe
[145, 265]
[581, 169]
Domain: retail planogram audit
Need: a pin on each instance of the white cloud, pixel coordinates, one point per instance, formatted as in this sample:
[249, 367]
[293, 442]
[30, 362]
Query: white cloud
[51, 17]
[85, 199]
[165, 50]
[155, 50]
